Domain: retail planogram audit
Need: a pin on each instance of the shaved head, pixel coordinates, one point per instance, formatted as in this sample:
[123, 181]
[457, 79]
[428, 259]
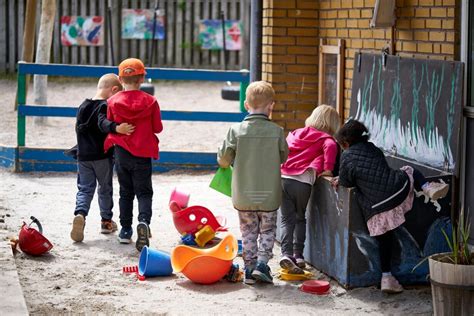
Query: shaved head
[109, 81]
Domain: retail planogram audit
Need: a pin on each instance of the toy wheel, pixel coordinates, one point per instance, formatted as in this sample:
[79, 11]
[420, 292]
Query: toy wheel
[231, 93]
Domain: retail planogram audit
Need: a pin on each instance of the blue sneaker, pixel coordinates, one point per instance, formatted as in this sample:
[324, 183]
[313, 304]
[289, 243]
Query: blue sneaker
[262, 272]
[125, 235]
[248, 278]
[143, 236]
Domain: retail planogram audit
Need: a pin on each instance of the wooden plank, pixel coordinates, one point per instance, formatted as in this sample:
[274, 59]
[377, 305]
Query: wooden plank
[195, 19]
[160, 44]
[3, 35]
[215, 15]
[154, 73]
[20, 27]
[188, 34]
[102, 51]
[170, 33]
[143, 44]
[133, 43]
[120, 47]
[232, 54]
[65, 51]
[73, 10]
[83, 50]
[245, 51]
[206, 15]
[11, 36]
[179, 34]
[91, 50]
[57, 34]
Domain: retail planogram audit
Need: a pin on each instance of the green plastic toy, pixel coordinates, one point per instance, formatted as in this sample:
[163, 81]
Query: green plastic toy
[222, 181]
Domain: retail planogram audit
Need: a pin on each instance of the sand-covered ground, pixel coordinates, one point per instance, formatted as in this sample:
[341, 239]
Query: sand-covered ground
[86, 278]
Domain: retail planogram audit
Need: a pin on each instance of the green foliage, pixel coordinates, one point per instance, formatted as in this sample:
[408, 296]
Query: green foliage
[458, 243]
[435, 86]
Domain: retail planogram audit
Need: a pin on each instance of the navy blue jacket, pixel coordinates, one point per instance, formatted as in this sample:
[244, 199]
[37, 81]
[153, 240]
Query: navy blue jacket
[92, 128]
[379, 188]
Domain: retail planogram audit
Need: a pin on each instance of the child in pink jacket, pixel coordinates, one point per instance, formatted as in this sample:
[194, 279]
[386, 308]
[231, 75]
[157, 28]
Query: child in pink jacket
[313, 152]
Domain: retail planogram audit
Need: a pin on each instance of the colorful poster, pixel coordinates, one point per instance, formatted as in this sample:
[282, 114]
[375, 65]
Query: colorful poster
[82, 30]
[138, 24]
[210, 34]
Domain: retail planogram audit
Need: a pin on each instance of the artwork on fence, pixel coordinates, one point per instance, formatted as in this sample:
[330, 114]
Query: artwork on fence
[138, 24]
[210, 34]
[412, 107]
[82, 30]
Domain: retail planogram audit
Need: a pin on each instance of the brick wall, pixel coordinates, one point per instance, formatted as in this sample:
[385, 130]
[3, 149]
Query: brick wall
[292, 29]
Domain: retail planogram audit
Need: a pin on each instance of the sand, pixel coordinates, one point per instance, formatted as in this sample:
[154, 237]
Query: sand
[87, 278]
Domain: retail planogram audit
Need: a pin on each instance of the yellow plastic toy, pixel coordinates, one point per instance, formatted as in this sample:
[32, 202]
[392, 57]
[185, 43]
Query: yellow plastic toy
[204, 235]
[205, 266]
[284, 275]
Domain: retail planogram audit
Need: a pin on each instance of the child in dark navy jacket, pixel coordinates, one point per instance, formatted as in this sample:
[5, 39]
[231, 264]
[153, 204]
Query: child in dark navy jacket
[384, 194]
[93, 164]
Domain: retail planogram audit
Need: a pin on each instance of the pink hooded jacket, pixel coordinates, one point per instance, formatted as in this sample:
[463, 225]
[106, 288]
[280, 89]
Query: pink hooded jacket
[309, 148]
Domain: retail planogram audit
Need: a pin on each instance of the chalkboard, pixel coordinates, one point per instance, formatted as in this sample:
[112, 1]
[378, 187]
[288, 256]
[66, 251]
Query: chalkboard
[412, 107]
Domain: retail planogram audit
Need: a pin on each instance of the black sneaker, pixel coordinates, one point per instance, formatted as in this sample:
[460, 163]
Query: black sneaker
[143, 236]
[248, 278]
[289, 263]
[125, 235]
[262, 272]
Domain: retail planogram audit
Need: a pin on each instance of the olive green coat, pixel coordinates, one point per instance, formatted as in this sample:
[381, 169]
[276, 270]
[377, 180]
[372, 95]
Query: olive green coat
[256, 147]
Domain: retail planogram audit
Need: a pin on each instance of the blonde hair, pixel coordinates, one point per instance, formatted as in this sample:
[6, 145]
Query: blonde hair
[132, 79]
[109, 81]
[259, 94]
[324, 118]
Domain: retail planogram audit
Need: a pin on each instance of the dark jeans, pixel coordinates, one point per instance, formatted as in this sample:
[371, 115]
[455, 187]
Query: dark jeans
[134, 176]
[295, 198]
[89, 173]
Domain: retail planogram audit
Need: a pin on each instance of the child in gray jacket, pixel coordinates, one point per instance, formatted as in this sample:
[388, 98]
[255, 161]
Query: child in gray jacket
[256, 147]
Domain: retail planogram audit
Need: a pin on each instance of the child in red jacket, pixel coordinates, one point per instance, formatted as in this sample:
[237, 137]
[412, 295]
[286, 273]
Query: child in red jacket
[313, 152]
[133, 152]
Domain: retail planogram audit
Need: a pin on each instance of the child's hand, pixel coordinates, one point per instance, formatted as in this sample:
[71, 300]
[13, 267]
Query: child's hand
[335, 182]
[326, 173]
[125, 128]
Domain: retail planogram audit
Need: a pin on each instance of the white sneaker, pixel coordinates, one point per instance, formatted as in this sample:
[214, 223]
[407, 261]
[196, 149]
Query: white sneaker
[436, 190]
[390, 285]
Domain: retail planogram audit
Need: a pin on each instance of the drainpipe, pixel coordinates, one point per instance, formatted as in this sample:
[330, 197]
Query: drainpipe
[467, 130]
[256, 40]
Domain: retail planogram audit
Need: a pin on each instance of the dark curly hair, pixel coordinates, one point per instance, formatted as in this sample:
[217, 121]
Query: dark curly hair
[352, 132]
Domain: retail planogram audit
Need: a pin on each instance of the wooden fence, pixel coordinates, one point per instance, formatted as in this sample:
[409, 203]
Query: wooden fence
[178, 49]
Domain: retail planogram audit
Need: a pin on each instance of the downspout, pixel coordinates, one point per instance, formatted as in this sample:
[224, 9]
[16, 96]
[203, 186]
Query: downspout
[256, 40]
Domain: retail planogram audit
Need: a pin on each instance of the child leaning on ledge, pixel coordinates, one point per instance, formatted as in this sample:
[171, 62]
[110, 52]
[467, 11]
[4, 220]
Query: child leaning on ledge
[256, 147]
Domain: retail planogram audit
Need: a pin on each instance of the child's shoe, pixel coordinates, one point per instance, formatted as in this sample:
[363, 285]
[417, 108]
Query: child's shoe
[125, 235]
[248, 278]
[436, 190]
[289, 263]
[108, 226]
[143, 236]
[390, 285]
[262, 272]
[300, 262]
[78, 224]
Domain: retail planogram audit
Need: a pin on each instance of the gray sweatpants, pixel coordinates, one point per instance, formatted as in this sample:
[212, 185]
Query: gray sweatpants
[295, 198]
[258, 236]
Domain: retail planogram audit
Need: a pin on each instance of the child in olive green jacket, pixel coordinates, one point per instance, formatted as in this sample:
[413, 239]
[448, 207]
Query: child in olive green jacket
[256, 147]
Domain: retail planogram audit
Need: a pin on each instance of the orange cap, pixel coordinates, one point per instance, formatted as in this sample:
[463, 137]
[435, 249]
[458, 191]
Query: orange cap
[131, 67]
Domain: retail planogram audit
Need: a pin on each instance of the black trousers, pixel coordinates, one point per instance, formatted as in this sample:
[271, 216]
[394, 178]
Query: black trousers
[134, 176]
[386, 250]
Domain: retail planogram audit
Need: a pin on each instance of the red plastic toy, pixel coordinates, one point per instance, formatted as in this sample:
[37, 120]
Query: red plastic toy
[191, 219]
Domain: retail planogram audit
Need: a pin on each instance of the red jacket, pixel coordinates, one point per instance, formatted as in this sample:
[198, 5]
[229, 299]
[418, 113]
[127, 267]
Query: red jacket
[309, 148]
[142, 110]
